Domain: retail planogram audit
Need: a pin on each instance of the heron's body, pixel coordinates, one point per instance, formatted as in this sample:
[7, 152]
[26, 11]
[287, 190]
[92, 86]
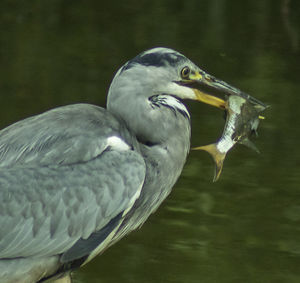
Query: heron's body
[76, 179]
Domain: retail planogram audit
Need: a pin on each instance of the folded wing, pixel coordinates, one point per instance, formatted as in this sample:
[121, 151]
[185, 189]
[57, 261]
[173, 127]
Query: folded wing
[67, 180]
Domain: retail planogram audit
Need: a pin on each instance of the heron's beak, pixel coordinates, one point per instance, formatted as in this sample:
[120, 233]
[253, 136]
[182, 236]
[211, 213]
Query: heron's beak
[208, 89]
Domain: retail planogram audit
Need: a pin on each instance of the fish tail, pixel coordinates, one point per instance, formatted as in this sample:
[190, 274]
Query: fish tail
[217, 156]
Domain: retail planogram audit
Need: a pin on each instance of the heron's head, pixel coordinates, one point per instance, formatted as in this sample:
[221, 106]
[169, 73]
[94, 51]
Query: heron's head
[161, 77]
[166, 71]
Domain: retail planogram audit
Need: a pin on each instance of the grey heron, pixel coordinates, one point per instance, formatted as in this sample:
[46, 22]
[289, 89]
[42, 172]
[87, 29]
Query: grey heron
[76, 179]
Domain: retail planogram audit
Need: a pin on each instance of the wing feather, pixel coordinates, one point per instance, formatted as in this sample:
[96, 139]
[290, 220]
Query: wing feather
[66, 203]
[61, 181]
[64, 135]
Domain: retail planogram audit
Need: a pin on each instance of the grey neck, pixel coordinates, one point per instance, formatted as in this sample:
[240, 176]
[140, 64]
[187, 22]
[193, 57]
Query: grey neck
[163, 132]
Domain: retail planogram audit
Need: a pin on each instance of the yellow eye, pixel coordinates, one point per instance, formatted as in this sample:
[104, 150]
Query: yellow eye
[185, 72]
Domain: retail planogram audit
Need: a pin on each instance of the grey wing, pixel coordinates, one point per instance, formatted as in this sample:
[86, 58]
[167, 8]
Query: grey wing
[49, 210]
[64, 135]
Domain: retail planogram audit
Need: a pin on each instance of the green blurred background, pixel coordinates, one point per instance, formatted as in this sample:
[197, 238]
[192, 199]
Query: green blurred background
[245, 227]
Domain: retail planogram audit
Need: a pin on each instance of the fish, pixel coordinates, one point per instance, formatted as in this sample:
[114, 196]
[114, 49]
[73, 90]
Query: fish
[242, 120]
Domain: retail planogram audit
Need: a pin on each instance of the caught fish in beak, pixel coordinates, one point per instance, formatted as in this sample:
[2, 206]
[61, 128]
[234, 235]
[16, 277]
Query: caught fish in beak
[210, 90]
[242, 120]
[243, 113]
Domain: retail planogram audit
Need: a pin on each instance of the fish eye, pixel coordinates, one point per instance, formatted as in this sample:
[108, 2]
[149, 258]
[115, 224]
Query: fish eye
[185, 72]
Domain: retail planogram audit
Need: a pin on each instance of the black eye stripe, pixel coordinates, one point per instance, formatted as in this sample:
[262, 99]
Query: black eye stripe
[156, 59]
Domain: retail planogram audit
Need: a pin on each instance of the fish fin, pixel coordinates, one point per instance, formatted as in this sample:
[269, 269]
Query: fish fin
[217, 156]
[250, 145]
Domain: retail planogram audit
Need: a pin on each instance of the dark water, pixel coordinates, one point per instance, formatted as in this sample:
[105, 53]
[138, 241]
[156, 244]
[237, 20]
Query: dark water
[244, 228]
